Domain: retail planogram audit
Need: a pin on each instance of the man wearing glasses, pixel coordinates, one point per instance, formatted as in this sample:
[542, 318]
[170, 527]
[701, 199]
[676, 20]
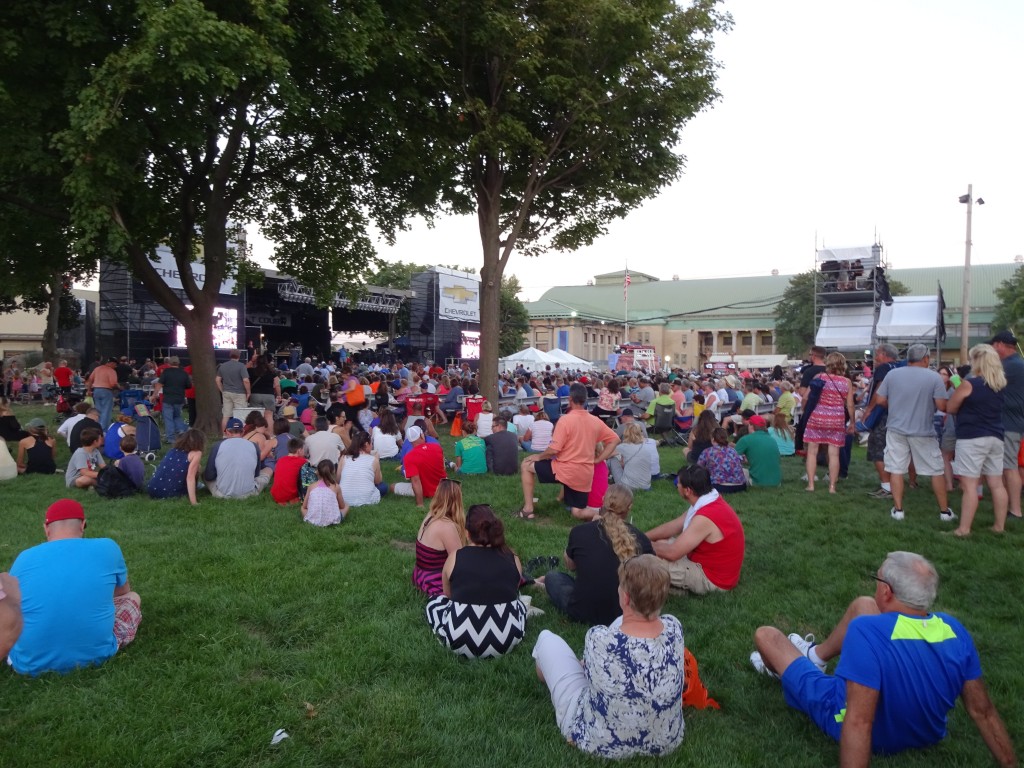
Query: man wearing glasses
[900, 672]
[77, 606]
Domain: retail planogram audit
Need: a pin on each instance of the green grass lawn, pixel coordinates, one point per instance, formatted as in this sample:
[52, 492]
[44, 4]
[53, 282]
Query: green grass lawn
[254, 621]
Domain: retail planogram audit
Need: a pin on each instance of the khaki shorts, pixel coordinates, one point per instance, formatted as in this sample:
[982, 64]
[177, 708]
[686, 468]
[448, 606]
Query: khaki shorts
[899, 449]
[688, 576]
[260, 483]
[1011, 447]
[232, 400]
[979, 456]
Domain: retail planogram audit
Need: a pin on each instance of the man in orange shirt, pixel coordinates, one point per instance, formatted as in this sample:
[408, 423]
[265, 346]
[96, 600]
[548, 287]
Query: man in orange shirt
[569, 459]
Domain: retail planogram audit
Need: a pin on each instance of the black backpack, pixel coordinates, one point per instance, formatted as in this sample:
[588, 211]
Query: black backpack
[112, 483]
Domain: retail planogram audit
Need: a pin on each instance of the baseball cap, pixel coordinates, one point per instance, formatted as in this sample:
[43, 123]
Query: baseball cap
[64, 509]
[757, 421]
[1004, 337]
[628, 412]
[36, 424]
[288, 411]
[412, 434]
[748, 413]
[234, 424]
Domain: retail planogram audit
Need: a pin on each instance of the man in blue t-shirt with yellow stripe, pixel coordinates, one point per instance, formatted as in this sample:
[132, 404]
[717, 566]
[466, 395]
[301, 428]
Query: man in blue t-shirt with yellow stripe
[900, 671]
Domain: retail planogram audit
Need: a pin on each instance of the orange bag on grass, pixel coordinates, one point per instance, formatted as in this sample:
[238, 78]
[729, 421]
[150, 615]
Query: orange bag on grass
[695, 694]
[1020, 454]
[456, 430]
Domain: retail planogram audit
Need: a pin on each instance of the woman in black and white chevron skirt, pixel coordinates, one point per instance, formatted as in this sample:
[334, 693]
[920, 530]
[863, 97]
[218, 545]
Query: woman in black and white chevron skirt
[480, 614]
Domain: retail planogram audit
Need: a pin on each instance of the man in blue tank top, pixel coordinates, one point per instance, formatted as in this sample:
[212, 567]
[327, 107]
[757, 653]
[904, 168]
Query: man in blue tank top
[900, 670]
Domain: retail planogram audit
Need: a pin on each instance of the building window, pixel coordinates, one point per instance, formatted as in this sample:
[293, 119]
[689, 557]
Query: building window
[747, 340]
[726, 338]
[602, 338]
[766, 340]
[585, 337]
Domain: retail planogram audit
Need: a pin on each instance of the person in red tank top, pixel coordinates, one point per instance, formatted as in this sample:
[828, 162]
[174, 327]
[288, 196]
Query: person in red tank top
[704, 547]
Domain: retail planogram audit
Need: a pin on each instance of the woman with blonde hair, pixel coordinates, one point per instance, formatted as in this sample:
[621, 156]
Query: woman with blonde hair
[831, 420]
[442, 532]
[594, 552]
[977, 404]
[630, 465]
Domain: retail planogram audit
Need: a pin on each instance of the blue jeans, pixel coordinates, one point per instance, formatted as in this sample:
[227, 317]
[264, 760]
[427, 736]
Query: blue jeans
[103, 399]
[560, 587]
[174, 420]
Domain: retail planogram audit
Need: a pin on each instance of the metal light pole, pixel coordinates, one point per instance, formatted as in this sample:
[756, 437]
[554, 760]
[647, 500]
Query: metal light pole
[965, 305]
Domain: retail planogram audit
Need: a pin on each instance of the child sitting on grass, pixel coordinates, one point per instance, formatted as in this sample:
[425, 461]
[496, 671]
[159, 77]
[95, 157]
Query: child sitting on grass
[84, 467]
[470, 452]
[285, 489]
[131, 463]
[324, 504]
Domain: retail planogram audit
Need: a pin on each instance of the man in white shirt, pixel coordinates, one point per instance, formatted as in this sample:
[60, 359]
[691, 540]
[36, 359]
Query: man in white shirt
[64, 430]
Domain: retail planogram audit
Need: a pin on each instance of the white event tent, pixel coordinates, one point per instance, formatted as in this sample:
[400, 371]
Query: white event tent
[530, 358]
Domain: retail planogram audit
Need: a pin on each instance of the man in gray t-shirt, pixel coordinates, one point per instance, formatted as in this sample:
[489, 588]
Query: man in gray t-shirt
[233, 383]
[233, 469]
[912, 395]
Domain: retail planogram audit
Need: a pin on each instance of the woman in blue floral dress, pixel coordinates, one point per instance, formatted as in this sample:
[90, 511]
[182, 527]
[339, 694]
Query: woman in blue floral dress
[625, 698]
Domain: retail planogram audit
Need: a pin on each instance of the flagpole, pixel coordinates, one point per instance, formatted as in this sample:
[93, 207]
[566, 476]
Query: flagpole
[625, 300]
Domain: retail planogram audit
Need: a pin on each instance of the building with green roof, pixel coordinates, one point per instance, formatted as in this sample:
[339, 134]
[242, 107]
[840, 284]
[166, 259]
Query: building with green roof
[692, 322]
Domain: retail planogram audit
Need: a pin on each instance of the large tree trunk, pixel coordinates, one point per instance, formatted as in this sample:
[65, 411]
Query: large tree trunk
[490, 286]
[199, 337]
[490, 333]
[56, 288]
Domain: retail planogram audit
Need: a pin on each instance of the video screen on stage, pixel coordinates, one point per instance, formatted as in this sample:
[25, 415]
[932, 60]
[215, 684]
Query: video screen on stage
[225, 329]
[470, 345]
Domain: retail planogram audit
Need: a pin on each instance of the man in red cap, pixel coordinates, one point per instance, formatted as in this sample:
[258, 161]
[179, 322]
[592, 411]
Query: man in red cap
[77, 606]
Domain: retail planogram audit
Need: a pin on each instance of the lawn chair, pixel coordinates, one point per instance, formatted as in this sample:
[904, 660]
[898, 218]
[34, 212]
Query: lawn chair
[664, 424]
[552, 407]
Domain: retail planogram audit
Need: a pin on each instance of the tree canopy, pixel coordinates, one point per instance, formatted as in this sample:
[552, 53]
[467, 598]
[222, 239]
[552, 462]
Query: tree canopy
[565, 115]
[1009, 312]
[188, 118]
[37, 257]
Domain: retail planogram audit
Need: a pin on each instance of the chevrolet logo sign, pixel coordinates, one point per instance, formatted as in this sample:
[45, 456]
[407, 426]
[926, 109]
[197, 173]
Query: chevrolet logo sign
[458, 294]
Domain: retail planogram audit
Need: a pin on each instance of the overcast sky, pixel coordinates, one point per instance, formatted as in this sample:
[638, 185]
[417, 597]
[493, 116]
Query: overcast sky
[837, 121]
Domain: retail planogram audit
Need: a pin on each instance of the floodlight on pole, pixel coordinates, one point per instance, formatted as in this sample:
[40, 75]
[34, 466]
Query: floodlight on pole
[965, 305]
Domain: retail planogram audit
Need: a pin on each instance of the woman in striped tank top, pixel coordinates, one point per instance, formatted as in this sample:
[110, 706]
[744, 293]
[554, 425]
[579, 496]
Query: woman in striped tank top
[442, 532]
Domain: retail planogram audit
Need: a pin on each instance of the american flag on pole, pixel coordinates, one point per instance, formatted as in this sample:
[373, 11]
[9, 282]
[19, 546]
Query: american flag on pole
[625, 286]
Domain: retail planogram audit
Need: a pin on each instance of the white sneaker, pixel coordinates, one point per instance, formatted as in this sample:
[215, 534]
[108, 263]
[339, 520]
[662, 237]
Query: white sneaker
[804, 477]
[804, 645]
[760, 666]
[948, 516]
[896, 514]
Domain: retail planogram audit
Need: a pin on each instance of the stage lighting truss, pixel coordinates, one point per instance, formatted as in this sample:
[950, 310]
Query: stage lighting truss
[374, 300]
